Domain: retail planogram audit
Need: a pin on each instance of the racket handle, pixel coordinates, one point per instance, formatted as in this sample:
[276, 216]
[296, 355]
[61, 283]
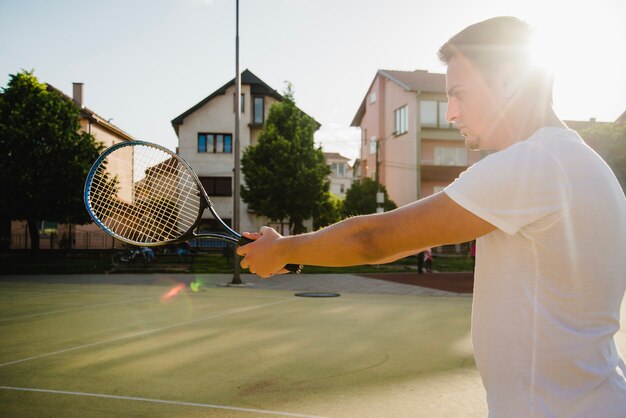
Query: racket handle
[294, 268]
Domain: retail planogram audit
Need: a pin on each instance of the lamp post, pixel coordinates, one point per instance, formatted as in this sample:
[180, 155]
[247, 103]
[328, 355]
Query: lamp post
[380, 196]
[236, 146]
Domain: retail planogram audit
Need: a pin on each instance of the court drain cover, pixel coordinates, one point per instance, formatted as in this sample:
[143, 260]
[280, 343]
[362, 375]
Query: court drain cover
[317, 295]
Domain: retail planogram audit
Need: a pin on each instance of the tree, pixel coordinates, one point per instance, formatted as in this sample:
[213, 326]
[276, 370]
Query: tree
[285, 175]
[361, 198]
[329, 212]
[44, 159]
[609, 140]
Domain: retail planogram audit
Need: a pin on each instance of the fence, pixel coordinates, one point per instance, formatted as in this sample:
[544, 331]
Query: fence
[99, 240]
[84, 240]
[89, 240]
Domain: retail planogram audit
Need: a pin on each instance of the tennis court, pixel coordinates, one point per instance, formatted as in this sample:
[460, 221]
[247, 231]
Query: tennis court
[102, 346]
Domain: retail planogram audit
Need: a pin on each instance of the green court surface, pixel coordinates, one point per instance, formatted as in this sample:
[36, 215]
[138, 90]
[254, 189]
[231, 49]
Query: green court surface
[119, 350]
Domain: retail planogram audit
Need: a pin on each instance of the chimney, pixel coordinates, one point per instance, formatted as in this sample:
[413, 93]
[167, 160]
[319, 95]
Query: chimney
[77, 93]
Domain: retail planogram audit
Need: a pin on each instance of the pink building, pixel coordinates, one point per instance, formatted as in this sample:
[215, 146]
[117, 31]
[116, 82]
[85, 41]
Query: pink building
[406, 142]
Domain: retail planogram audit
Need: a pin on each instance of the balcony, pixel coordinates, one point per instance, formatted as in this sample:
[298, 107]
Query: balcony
[438, 172]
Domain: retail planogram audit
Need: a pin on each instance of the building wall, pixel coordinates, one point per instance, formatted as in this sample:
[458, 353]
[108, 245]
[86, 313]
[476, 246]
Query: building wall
[371, 126]
[218, 116]
[101, 134]
[339, 185]
[398, 152]
[403, 158]
[90, 235]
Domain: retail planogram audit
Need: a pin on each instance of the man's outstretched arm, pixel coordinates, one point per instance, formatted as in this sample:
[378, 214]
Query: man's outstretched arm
[367, 239]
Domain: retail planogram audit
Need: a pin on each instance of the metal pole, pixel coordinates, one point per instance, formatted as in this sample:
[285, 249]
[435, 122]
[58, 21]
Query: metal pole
[379, 195]
[237, 170]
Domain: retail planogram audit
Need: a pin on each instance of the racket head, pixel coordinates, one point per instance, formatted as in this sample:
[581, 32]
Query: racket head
[143, 194]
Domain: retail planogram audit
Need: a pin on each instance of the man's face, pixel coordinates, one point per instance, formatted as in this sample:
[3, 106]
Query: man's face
[476, 106]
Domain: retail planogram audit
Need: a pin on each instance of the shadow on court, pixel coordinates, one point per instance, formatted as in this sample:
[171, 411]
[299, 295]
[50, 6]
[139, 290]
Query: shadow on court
[77, 346]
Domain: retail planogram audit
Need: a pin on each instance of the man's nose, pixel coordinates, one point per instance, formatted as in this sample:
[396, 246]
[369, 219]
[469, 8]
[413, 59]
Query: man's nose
[452, 113]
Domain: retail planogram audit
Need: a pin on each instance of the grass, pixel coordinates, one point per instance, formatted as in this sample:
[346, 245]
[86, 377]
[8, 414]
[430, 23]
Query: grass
[98, 262]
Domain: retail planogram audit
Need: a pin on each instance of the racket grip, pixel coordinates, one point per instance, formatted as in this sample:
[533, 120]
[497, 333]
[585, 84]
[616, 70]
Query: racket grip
[294, 268]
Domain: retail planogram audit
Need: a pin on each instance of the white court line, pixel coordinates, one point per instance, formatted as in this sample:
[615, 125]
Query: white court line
[13, 318]
[161, 401]
[147, 332]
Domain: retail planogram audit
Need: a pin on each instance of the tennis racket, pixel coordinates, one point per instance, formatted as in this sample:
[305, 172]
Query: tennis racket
[143, 194]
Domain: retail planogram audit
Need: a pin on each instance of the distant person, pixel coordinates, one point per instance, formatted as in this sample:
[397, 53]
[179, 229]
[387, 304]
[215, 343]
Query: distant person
[148, 254]
[183, 250]
[541, 206]
[472, 253]
[428, 260]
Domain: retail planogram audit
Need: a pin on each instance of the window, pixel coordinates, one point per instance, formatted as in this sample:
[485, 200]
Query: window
[428, 113]
[373, 145]
[217, 186]
[258, 110]
[337, 170]
[373, 97]
[243, 102]
[215, 143]
[443, 109]
[402, 120]
[433, 114]
[450, 156]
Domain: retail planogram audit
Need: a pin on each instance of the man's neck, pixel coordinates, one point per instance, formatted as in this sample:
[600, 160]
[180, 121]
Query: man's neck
[529, 126]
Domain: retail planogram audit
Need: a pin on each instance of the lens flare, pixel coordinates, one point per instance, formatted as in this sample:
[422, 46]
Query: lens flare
[172, 292]
[195, 286]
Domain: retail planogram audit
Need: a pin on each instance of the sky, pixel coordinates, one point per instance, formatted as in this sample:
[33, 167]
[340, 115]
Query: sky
[144, 62]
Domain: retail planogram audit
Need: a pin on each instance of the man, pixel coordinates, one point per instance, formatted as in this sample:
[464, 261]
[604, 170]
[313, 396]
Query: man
[540, 207]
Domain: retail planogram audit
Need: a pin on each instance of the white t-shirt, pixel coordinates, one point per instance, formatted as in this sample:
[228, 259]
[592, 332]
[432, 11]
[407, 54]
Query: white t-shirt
[549, 282]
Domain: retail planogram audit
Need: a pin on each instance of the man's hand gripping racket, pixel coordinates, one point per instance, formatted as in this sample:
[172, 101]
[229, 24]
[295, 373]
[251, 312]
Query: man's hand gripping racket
[143, 194]
[263, 258]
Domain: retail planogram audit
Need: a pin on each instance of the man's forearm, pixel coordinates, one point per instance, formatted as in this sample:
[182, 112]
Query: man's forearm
[350, 242]
[367, 239]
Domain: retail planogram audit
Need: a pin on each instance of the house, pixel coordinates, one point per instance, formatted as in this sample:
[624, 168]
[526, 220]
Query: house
[76, 236]
[340, 173]
[581, 125]
[205, 137]
[406, 142]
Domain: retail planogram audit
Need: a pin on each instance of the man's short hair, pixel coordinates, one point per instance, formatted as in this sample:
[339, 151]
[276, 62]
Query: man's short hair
[497, 41]
[490, 43]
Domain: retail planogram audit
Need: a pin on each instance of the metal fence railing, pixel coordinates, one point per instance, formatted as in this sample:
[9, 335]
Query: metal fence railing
[100, 240]
[87, 240]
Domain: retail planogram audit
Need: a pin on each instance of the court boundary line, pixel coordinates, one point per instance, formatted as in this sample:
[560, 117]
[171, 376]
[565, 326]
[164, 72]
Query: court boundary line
[159, 401]
[146, 332]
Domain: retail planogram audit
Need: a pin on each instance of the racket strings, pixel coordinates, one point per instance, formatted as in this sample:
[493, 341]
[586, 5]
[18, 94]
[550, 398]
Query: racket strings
[179, 187]
[164, 197]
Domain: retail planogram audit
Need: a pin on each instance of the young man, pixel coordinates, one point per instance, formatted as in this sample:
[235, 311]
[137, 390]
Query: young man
[540, 207]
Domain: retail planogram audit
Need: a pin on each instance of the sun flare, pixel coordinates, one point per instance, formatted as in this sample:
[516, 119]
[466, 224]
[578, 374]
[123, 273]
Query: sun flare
[579, 46]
